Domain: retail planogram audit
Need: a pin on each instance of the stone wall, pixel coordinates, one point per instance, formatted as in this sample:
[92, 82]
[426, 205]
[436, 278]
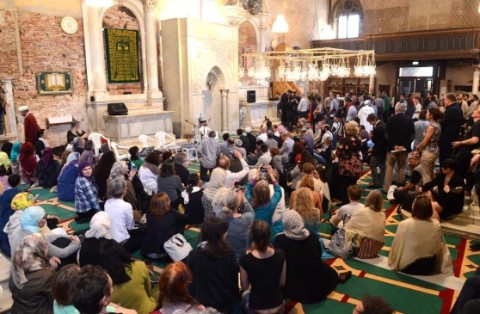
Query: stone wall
[45, 47]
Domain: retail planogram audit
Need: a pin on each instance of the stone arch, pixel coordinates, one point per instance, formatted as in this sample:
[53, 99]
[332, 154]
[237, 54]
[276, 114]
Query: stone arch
[346, 7]
[212, 97]
[137, 9]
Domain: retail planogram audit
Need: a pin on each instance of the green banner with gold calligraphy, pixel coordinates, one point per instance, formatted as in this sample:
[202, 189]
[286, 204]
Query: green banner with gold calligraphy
[122, 55]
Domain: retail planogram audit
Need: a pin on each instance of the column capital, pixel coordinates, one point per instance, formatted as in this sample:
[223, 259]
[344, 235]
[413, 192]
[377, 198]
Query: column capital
[476, 68]
[224, 92]
[150, 5]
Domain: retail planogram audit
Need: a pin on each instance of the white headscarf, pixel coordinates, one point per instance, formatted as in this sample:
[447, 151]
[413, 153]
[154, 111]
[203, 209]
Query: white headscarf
[217, 180]
[99, 226]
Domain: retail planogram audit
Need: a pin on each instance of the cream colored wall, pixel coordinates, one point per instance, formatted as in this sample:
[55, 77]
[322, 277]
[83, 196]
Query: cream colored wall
[51, 7]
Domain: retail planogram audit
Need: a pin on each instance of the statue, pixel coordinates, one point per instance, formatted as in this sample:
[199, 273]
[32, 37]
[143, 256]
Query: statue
[252, 6]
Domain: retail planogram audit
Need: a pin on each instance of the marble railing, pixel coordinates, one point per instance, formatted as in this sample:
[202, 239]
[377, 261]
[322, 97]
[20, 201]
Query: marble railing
[256, 113]
[261, 92]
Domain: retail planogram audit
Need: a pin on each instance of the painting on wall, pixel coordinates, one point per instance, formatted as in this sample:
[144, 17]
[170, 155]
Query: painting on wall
[54, 83]
[122, 55]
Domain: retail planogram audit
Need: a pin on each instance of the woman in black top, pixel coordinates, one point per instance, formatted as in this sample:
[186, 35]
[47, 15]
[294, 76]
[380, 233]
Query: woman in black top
[101, 172]
[214, 268]
[162, 223]
[309, 279]
[264, 269]
[192, 200]
[449, 198]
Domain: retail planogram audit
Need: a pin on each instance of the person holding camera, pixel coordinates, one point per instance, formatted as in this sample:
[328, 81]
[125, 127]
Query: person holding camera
[239, 215]
[230, 176]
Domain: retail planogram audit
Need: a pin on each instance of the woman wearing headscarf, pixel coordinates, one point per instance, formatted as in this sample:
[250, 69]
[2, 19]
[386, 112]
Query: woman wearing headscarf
[67, 178]
[14, 157]
[309, 279]
[31, 277]
[27, 163]
[86, 193]
[98, 233]
[5, 158]
[32, 220]
[48, 169]
[217, 181]
[101, 172]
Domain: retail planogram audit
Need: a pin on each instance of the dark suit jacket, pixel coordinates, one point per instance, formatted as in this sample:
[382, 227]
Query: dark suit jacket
[400, 131]
[378, 138]
[451, 124]
[183, 173]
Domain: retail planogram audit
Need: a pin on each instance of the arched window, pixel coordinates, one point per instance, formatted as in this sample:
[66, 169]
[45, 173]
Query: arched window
[348, 16]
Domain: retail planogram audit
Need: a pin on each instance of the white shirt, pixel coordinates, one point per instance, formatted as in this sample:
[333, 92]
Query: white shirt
[121, 216]
[149, 180]
[233, 177]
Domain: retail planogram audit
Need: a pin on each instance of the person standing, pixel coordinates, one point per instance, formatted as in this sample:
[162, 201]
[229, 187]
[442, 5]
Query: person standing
[378, 151]
[31, 126]
[209, 150]
[450, 126]
[400, 134]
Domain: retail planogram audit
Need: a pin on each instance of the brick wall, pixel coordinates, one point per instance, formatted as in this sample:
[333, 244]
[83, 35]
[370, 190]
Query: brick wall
[45, 47]
[8, 51]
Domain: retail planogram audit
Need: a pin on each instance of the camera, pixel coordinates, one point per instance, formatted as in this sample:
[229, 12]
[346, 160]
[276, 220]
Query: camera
[240, 186]
[230, 151]
[264, 169]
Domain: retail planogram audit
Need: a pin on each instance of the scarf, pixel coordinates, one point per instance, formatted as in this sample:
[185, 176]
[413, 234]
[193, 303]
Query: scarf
[27, 158]
[154, 169]
[31, 217]
[294, 226]
[99, 226]
[217, 180]
[15, 151]
[47, 156]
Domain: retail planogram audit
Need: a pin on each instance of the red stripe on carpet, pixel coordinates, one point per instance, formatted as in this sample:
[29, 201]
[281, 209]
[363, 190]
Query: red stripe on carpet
[345, 298]
[457, 264]
[289, 306]
[447, 296]
[362, 274]
[389, 211]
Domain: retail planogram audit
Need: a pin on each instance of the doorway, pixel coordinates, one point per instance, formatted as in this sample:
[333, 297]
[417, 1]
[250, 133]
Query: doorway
[408, 86]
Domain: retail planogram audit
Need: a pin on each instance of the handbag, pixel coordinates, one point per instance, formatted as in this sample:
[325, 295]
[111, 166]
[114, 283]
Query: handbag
[177, 247]
[337, 245]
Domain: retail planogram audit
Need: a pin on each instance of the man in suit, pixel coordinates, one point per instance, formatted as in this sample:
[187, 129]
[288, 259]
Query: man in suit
[379, 150]
[399, 135]
[451, 124]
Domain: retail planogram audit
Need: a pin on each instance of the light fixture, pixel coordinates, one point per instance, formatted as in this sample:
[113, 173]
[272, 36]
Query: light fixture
[415, 62]
[280, 25]
[99, 3]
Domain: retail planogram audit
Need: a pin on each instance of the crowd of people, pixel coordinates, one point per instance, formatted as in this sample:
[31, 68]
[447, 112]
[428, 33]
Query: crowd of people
[259, 200]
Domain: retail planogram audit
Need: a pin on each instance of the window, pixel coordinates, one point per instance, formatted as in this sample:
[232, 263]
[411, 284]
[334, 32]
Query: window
[349, 16]
[348, 26]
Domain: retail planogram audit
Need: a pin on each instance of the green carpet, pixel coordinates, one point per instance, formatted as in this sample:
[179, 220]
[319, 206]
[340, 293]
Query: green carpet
[62, 213]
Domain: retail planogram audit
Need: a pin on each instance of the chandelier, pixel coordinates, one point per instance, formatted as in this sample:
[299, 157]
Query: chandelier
[310, 64]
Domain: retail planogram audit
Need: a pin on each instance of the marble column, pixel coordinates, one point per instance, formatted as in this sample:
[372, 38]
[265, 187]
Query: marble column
[263, 33]
[476, 77]
[224, 109]
[97, 55]
[151, 49]
[371, 84]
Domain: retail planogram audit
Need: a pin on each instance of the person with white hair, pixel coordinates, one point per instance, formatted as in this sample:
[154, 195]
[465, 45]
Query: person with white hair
[31, 127]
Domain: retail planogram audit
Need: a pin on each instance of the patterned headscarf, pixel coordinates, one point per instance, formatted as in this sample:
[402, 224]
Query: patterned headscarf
[294, 225]
[22, 200]
[31, 255]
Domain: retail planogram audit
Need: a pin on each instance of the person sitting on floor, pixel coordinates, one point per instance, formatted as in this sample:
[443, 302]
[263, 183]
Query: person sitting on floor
[131, 279]
[121, 214]
[48, 169]
[67, 178]
[192, 200]
[419, 247]
[468, 301]
[309, 279]
[28, 164]
[343, 214]
[6, 211]
[162, 223]
[86, 193]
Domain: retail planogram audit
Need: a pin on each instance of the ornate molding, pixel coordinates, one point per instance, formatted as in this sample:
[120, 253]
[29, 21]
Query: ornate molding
[150, 5]
[253, 6]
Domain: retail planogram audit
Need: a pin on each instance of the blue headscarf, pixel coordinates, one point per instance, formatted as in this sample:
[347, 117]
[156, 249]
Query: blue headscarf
[15, 151]
[31, 216]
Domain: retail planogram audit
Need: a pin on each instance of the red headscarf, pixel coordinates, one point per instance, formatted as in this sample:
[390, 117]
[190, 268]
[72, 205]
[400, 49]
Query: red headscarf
[27, 158]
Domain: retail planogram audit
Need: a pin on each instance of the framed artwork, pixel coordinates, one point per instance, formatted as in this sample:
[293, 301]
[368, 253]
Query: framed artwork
[123, 65]
[54, 83]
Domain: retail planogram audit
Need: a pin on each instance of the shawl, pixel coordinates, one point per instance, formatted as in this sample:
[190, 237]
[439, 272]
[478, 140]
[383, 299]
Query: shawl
[365, 223]
[31, 217]
[4, 160]
[217, 180]
[15, 151]
[99, 226]
[27, 157]
[294, 226]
